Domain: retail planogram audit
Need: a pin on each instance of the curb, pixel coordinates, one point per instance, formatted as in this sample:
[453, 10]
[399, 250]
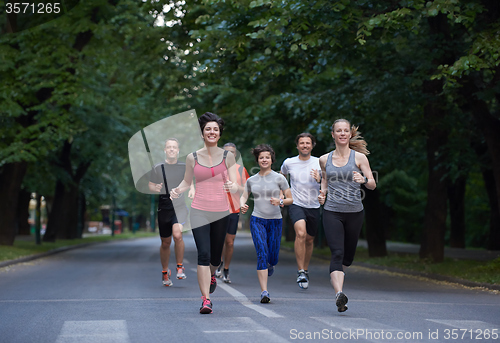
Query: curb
[436, 277]
[56, 251]
[44, 254]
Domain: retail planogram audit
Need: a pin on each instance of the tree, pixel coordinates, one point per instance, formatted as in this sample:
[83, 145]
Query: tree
[102, 63]
[470, 44]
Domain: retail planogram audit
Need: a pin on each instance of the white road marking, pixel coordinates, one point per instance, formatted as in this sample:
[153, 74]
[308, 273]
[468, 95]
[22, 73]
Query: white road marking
[347, 323]
[365, 329]
[94, 331]
[241, 329]
[235, 331]
[245, 302]
[466, 324]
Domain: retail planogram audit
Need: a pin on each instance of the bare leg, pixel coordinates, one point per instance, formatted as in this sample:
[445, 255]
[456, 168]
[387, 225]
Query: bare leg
[337, 279]
[308, 250]
[300, 242]
[262, 275]
[165, 251]
[179, 242]
[204, 278]
[228, 250]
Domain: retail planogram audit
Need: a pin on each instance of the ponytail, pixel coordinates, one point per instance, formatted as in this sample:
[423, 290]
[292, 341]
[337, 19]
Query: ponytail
[356, 143]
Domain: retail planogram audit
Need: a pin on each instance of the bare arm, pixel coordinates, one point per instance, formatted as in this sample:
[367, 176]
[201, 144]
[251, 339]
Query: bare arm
[232, 184]
[364, 165]
[191, 191]
[243, 200]
[188, 178]
[288, 200]
[324, 182]
[155, 187]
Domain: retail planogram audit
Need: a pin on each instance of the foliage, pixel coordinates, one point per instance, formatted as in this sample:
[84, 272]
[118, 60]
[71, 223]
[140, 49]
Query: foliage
[271, 69]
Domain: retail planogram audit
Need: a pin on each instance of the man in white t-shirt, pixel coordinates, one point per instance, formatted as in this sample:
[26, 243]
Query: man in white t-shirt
[305, 177]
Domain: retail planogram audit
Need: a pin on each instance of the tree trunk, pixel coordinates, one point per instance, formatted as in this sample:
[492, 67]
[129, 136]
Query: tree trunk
[490, 126]
[58, 214]
[494, 236]
[82, 214]
[69, 228]
[375, 226]
[289, 231]
[456, 197]
[11, 178]
[437, 135]
[436, 209]
[63, 218]
[23, 213]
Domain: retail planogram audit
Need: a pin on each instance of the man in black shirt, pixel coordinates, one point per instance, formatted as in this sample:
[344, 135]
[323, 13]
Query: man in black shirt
[172, 214]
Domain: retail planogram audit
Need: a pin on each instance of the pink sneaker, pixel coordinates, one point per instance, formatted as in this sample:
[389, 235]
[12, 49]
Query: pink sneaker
[213, 284]
[206, 306]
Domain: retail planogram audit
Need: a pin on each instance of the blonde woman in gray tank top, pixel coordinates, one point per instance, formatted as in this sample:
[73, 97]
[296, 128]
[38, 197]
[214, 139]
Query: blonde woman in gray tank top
[344, 170]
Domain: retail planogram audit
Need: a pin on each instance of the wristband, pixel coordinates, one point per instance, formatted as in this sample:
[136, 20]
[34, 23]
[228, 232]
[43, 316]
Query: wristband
[366, 181]
[281, 202]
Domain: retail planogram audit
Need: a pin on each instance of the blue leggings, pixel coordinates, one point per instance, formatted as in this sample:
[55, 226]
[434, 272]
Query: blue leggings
[266, 235]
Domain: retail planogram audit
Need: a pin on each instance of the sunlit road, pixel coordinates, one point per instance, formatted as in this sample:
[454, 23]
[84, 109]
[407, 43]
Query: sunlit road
[112, 292]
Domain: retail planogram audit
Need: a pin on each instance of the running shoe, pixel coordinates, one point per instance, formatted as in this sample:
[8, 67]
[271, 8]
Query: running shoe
[302, 279]
[264, 297]
[206, 306]
[225, 278]
[218, 272]
[270, 270]
[165, 278]
[340, 301]
[213, 284]
[180, 272]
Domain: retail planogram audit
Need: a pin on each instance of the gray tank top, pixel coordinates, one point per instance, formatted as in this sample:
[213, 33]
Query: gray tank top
[344, 194]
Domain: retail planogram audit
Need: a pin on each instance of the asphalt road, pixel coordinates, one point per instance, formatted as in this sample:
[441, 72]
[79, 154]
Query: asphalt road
[112, 292]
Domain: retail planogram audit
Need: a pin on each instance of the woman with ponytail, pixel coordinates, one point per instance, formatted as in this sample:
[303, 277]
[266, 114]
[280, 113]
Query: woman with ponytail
[344, 170]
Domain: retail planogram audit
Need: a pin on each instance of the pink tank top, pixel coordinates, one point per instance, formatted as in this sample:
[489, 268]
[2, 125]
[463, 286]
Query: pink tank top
[210, 195]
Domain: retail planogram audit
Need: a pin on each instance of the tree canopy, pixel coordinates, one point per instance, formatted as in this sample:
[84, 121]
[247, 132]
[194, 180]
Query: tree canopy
[420, 79]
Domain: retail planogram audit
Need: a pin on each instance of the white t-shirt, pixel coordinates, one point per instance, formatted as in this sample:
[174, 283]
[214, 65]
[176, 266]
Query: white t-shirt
[305, 189]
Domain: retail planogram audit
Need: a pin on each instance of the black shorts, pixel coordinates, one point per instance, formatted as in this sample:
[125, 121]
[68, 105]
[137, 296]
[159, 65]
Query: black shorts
[232, 225]
[310, 215]
[167, 219]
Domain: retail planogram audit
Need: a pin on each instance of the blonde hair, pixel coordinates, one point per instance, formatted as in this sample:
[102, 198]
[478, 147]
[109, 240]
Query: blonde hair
[356, 143]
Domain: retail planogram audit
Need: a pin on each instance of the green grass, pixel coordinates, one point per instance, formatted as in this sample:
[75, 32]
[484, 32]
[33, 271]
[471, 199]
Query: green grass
[477, 271]
[26, 246]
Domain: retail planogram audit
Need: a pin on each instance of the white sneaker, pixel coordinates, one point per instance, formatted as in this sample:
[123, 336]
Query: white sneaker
[165, 277]
[180, 273]
[302, 279]
[218, 272]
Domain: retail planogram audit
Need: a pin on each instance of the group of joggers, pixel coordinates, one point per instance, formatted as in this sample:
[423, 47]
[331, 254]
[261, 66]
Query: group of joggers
[223, 188]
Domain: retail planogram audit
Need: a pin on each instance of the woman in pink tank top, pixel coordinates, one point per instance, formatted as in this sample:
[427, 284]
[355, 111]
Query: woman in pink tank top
[215, 173]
